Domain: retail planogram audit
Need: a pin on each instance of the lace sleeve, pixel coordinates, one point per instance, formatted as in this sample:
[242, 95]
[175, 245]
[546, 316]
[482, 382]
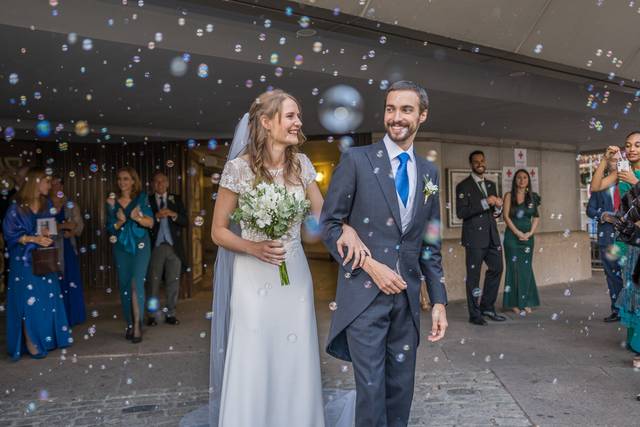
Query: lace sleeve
[230, 178]
[308, 171]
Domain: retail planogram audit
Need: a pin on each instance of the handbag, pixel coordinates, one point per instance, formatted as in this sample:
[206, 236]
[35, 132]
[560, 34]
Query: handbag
[45, 261]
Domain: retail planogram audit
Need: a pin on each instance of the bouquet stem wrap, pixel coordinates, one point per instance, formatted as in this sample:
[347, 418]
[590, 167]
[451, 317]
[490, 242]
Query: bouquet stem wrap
[284, 274]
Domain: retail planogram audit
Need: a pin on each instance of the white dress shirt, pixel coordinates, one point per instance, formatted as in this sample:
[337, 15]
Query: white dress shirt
[406, 213]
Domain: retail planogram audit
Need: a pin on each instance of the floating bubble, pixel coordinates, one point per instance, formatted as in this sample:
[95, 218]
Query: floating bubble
[31, 300]
[212, 144]
[128, 82]
[298, 60]
[209, 28]
[43, 128]
[567, 292]
[9, 133]
[304, 22]
[432, 235]
[141, 245]
[238, 48]
[345, 143]
[191, 143]
[170, 163]
[400, 357]
[178, 66]
[390, 222]
[87, 44]
[368, 284]
[153, 304]
[13, 79]
[537, 49]
[382, 39]
[333, 306]
[215, 178]
[317, 47]
[129, 381]
[342, 109]
[292, 338]
[203, 334]
[113, 239]
[203, 71]
[82, 128]
[198, 221]
[476, 292]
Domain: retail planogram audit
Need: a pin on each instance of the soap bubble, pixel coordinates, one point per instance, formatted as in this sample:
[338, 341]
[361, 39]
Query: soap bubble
[317, 47]
[342, 109]
[87, 44]
[153, 304]
[476, 292]
[82, 128]
[203, 71]
[178, 67]
[198, 221]
[43, 128]
[292, 338]
[333, 306]
[13, 79]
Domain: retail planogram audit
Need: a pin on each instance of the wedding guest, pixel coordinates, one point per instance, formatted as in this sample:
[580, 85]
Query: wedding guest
[522, 218]
[129, 218]
[478, 205]
[167, 255]
[6, 199]
[622, 169]
[70, 226]
[599, 203]
[36, 319]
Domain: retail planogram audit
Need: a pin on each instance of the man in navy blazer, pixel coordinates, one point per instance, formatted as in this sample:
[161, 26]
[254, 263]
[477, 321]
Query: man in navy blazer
[599, 203]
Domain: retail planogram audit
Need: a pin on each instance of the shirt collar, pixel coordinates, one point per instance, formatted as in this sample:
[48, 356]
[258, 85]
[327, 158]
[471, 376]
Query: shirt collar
[163, 195]
[477, 178]
[394, 150]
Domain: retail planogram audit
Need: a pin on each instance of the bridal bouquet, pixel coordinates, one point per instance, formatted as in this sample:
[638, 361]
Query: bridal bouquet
[270, 209]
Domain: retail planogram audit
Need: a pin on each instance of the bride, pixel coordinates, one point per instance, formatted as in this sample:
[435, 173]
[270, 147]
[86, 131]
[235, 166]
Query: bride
[265, 363]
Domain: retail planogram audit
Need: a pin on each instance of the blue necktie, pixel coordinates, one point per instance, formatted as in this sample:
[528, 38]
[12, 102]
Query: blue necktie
[402, 178]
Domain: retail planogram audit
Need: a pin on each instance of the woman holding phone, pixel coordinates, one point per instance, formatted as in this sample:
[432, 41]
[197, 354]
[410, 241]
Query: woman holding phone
[625, 173]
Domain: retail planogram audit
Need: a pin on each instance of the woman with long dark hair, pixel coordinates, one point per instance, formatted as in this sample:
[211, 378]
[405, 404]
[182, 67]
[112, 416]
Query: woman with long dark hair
[522, 217]
[622, 169]
[129, 218]
[36, 319]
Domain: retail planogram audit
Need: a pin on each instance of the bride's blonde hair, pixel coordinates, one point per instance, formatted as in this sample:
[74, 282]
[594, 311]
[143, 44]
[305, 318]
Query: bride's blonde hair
[269, 104]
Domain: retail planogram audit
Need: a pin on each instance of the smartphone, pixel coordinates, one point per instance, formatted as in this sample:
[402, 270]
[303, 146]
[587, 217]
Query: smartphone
[623, 165]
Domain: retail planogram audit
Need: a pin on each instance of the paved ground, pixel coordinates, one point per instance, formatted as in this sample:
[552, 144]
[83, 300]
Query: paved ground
[560, 366]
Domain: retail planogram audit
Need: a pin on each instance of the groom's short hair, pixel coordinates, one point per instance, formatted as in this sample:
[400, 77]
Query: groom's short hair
[407, 85]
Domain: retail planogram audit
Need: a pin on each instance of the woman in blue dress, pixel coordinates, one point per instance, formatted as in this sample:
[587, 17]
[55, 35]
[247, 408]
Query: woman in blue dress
[36, 319]
[129, 218]
[70, 226]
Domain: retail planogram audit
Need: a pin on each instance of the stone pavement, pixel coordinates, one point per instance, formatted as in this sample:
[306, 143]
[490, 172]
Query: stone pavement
[560, 366]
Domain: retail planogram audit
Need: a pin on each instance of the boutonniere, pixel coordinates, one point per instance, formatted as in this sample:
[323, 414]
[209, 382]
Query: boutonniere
[171, 198]
[429, 188]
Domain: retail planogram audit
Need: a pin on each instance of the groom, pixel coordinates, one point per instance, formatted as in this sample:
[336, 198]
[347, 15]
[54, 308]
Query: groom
[389, 196]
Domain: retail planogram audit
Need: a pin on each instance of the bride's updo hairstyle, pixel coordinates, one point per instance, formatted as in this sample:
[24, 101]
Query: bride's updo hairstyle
[269, 104]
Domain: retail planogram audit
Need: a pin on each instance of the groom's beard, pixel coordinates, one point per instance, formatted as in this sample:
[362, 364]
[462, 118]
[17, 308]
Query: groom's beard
[409, 129]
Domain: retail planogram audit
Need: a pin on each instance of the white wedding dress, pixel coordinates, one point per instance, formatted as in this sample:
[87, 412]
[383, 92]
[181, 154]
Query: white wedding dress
[272, 368]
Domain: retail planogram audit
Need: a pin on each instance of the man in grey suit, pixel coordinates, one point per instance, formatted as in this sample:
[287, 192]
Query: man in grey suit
[376, 323]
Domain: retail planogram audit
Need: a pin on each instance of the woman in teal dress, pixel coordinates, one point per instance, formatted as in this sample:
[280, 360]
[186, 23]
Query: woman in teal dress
[36, 318]
[627, 300]
[129, 218]
[522, 218]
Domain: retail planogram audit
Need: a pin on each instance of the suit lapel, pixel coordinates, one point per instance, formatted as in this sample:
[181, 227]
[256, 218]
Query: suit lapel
[379, 158]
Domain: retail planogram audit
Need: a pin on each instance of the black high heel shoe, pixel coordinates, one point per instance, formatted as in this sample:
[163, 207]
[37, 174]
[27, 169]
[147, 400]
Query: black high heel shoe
[129, 334]
[134, 339]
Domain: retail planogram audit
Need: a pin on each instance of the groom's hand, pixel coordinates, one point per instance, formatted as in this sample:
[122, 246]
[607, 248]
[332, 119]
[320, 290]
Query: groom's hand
[439, 322]
[385, 278]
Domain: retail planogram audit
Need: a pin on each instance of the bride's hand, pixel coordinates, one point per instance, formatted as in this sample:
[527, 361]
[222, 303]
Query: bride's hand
[356, 250]
[268, 251]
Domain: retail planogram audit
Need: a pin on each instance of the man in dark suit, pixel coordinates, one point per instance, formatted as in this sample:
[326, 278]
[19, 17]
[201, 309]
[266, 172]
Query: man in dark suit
[167, 255]
[478, 205]
[599, 204]
[376, 324]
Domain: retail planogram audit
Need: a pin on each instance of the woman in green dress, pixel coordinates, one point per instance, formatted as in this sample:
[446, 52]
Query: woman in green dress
[522, 218]
[129, 218]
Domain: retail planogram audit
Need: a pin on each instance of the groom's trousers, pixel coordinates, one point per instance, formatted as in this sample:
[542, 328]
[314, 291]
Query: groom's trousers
[382, 343]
